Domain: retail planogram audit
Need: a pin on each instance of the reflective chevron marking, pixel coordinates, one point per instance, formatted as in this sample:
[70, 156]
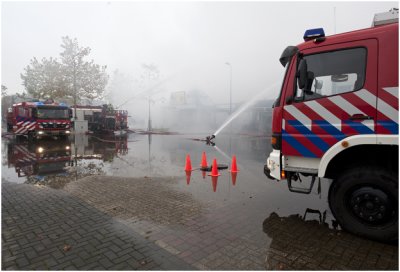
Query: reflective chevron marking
[322, 120]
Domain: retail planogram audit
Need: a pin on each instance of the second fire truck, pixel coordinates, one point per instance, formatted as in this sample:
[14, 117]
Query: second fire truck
[102, 119]
[336, 117]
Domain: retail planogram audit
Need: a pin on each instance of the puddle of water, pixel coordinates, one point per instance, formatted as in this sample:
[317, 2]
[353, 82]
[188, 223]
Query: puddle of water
[55, 163]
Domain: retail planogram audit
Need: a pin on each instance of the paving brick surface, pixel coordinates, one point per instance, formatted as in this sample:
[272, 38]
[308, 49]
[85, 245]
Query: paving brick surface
[234, 236]
[44, 229]
[149, 224]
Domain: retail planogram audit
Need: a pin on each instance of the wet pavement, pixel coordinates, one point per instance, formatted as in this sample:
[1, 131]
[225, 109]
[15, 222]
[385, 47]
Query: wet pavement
[245, 222]
[44, 229]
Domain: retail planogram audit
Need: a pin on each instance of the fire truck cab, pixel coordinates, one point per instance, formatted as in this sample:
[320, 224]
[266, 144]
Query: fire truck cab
[336, 117]
[39, 118]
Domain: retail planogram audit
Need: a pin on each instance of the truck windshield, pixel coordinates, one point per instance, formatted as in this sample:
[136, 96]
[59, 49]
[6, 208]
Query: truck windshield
[276, 103]
[52, 113]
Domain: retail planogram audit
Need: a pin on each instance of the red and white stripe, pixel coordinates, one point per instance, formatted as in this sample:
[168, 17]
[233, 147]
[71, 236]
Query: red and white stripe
[388, 103]
[335, 109]
[25, 127]
[25, 152]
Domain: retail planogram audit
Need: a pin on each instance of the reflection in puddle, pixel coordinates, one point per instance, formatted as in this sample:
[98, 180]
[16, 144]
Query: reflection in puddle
[294, 237]
[307, 243]
[214, 179]
[139, 156]
[55, 162]
[39, 158]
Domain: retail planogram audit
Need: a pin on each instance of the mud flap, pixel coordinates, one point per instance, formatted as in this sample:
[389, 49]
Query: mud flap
[296, 176]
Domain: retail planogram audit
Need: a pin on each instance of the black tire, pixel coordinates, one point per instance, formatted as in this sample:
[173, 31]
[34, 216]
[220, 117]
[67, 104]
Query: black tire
[364, 201]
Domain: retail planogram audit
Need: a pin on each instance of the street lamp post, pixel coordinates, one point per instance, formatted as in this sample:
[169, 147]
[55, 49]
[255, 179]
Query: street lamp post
[149, 128]
[162, 99]
[230, 88]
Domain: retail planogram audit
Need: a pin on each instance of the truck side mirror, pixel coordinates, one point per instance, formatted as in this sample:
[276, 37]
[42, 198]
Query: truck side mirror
[34, 112]
[302, 74]
[310, 80]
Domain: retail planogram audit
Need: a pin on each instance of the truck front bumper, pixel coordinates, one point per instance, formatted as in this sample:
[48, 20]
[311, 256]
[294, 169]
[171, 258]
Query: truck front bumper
[273, 167]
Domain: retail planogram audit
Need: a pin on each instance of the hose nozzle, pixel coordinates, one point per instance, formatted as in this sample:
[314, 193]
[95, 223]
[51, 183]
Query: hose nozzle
[209, 140]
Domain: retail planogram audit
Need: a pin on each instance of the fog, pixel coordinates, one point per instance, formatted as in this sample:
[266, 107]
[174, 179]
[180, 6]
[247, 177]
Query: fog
[189, 43]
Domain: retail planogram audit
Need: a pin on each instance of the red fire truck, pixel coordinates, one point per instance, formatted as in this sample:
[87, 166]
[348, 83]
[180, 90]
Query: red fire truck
[36, 119]
[336, 117]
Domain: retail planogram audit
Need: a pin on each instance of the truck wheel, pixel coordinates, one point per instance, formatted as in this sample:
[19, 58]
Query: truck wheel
[365, 202]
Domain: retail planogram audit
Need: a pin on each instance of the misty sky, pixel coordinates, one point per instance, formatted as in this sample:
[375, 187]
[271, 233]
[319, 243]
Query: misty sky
[190, 41]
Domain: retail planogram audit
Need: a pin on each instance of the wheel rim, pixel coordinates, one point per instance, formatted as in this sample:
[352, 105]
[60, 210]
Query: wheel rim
[371, 205]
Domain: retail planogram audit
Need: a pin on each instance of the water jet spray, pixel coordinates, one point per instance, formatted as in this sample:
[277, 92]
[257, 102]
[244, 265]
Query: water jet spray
[244, 107]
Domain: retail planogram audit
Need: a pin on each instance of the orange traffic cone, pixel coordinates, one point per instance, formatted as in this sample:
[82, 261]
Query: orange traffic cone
[214, 180]
[203, 160]
[214, 170]
[233, 175]
[234, 168]
[188, 174]
[188, 166]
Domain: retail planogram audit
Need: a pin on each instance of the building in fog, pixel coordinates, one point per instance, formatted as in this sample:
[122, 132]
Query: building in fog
[256, 120]
[194, 111]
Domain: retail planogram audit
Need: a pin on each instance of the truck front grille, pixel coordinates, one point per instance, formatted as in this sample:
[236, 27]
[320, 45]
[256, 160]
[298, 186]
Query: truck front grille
[54, 125]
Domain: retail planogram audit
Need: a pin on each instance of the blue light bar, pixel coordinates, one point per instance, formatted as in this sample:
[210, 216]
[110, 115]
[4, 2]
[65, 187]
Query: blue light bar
[63, 105]
[313, 33]
[39, 103]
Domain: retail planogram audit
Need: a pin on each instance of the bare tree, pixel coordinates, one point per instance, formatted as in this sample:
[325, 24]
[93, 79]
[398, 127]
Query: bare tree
[3, 90]
[84, 79]
[44, 79]
[72, 77]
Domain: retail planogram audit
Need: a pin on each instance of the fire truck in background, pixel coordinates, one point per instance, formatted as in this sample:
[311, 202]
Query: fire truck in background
[102, 119]
[39, 118]
[336, 117]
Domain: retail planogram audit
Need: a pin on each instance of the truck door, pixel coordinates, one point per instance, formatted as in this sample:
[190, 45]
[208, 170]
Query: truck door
[339, 99]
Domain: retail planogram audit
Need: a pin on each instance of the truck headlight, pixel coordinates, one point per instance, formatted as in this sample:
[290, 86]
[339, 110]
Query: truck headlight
[40, 149]
[40, 132]
[67, 132]
[271, 164]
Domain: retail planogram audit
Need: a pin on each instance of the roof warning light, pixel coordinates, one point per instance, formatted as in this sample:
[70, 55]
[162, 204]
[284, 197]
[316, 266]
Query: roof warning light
[313, 33]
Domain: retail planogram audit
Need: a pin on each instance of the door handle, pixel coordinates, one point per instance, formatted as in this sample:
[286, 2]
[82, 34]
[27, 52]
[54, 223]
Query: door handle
[359, 116]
